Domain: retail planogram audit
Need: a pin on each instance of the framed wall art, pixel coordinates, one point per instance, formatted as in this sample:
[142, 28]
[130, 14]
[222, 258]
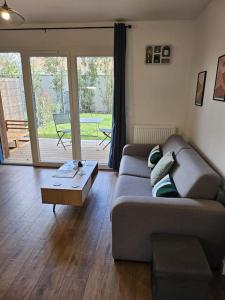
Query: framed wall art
[219, 89]
[158, 54]
[200, 89]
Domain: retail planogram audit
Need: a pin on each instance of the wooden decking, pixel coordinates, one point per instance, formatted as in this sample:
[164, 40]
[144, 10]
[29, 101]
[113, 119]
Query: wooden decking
[50, 152]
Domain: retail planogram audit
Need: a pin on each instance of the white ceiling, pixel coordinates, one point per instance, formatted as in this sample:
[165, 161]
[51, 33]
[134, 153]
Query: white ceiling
[65, 11]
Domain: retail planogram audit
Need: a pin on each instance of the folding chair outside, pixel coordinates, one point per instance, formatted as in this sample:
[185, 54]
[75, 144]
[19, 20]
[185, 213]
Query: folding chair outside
[107, 133]
[59, 119]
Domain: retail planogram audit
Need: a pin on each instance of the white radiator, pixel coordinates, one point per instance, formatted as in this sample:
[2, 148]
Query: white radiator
[153, 134]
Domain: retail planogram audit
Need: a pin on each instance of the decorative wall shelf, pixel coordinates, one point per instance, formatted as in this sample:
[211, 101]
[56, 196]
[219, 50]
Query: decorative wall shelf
[158, 54]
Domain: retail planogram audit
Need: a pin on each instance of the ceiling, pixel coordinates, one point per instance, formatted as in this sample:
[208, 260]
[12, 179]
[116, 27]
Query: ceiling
[66, 11]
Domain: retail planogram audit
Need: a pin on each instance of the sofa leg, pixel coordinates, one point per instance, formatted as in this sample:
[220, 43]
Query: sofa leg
[116, 260]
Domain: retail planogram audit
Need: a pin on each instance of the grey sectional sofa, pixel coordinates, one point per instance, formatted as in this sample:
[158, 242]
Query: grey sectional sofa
[199, 211]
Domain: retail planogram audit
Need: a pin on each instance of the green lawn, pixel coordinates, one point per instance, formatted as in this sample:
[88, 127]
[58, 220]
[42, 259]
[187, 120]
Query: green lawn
[88, 131]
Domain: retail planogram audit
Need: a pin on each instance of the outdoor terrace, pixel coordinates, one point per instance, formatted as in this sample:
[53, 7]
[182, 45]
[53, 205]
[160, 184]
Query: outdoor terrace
[49, 151]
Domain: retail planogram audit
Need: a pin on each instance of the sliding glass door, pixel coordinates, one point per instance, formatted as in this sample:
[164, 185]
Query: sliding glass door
[51, 104]
[95, 93]
[69, 104]
[15, 136]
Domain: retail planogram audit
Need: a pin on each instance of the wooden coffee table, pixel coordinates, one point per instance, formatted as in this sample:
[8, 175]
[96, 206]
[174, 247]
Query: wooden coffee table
[70, 191]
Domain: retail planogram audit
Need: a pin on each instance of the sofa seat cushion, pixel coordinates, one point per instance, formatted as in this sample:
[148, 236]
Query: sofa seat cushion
[132, 186]
[134, 166]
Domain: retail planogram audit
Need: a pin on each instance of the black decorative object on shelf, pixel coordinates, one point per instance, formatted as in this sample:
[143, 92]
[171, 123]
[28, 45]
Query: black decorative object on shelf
[157, 58]
[149, 55]
[158, 54]
[157, 49]
[80, 164]
[166, 51]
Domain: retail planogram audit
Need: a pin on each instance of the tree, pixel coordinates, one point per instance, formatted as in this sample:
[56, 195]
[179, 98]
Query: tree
[44, 110]
[106, 92]
[39, 100]
[36, 78]
[87, 77]
[9, 65]
[55, 66]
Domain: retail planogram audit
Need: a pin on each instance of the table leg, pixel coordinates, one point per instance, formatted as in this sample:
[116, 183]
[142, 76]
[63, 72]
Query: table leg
[54, 205]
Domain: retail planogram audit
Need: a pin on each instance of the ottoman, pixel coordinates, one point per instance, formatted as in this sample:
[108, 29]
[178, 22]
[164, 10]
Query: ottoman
[180, 269]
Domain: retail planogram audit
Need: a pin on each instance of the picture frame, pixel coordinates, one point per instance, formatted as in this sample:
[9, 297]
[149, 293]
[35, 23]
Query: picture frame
[200, 88]
[158, 54]
[219, 88]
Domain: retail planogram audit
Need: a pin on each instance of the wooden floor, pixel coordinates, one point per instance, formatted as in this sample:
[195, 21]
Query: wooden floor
[50, 152]
[66, 255]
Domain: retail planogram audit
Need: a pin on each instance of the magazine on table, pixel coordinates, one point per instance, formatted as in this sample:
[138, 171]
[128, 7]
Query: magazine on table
[67, 170]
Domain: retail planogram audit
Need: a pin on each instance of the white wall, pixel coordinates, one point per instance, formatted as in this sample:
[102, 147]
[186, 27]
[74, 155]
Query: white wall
[156, 94]
[83, 42]
[205, 126]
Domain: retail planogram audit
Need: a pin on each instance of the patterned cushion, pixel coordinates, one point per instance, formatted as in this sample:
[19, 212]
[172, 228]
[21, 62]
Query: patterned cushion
[165, 188]
[162, 168]
[154, 156]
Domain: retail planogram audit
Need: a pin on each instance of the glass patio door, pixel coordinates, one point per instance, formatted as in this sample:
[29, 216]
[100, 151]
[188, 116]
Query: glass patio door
[51, 105]
[15, 136]
[95, 95]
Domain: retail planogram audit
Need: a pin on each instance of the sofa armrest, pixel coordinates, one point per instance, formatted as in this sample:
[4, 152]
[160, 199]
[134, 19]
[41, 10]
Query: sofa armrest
[134, 219]
[137, 149]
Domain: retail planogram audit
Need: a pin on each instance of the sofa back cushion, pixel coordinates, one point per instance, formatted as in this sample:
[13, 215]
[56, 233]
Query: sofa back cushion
[175, 143]
[193, 177]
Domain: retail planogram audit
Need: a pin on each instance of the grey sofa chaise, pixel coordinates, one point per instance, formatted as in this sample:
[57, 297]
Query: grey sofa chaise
[199, 211]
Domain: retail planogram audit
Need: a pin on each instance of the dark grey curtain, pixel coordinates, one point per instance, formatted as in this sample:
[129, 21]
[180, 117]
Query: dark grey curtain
[119, 116]
[1, 153]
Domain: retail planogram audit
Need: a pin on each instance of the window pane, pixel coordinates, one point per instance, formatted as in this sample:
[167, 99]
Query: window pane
[95, 87]
[52, 107]
[17, 146]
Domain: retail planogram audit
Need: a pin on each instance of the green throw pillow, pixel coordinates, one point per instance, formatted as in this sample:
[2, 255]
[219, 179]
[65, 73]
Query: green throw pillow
[154, 156]
[162, 168]
[165, 188]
